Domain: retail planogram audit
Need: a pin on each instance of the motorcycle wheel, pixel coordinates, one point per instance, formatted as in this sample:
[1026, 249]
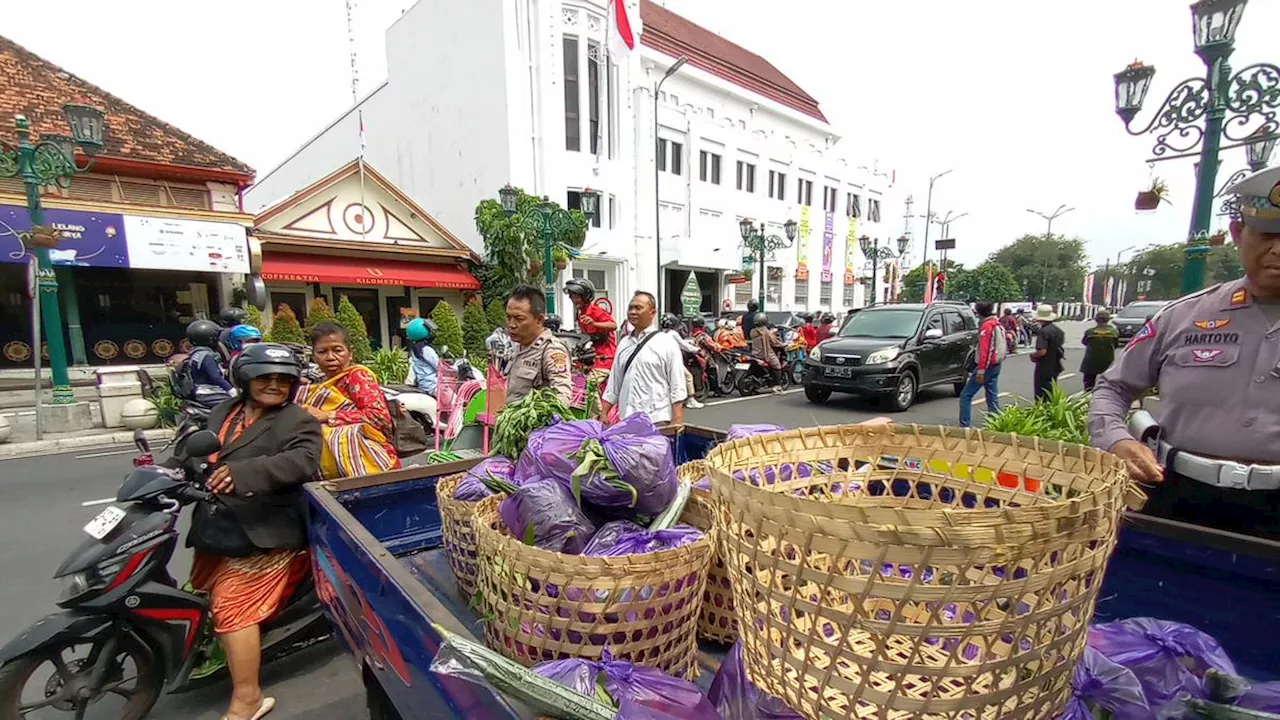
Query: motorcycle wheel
[747, 385]
[797, 372]
[785, 377]
[702, 387]
[140, 689]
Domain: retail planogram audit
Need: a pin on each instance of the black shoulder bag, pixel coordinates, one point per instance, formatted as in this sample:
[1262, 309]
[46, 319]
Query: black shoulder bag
[627, 365]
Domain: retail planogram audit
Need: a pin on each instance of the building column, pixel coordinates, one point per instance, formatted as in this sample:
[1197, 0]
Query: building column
[71, 309]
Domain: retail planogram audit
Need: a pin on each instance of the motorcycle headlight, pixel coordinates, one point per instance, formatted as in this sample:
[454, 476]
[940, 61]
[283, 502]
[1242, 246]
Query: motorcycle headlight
[880, 357]
[816, 353]
[76, 585]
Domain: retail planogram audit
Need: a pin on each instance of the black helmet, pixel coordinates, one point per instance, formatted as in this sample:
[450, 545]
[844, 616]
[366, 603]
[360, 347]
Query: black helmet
[203, 333]
[553, 323]
[806, 316]
[581, 286]
[232, 316]
[828, 318]
[671, 321]
[753, 305]
[760, 320]
[261, 359]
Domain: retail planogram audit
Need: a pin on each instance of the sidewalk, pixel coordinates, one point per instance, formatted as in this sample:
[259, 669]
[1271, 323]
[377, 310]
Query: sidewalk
[23, 443]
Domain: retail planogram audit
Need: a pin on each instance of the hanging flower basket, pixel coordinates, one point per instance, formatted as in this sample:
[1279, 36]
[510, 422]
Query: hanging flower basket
[44, 236]
[1151, 198]
[535, 267]
[1218, 239]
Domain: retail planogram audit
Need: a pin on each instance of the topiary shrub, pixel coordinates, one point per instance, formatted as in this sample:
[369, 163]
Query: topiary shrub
[448, 329]
[317, 312]
[285, 327]
[350, 319]
[475, 329]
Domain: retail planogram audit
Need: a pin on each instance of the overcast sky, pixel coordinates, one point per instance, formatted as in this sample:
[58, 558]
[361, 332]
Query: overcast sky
[1015, 96]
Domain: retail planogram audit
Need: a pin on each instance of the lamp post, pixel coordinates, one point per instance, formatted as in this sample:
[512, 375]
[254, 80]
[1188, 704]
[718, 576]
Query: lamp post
[549, 220]
[1049, 218]
[928, 213]
[1258, 155]
[657, 197]
[51, 160]
[876, 254]
[762, 246]
[1226, 103]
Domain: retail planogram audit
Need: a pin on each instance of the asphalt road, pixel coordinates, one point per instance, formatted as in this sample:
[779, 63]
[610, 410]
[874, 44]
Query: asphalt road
[41, 517]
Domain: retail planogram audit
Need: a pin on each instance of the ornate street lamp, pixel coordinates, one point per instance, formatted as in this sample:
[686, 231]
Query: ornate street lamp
[876, 255]
[1200, 113]
[51, 161]
[761, 246]
[1258, 152]
[549, 220]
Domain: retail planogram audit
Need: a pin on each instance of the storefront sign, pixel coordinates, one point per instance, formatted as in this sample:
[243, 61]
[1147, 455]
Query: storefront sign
[802, 245]
[93, 239]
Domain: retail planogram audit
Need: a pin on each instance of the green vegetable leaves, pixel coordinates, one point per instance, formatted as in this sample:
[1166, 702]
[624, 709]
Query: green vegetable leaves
[517, 420]
[1062, 417]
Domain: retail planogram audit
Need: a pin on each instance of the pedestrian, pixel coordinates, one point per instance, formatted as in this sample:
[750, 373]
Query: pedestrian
[648, 370]
[540, 360]
[765, 345]
[993, 348]
[1050, 351]
[1100, 343]
[1010, 325]
[597, 323]
[1215, 355]
[673, 326]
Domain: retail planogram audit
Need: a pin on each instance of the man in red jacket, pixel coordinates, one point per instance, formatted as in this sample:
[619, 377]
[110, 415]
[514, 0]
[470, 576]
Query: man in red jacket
[993, 347]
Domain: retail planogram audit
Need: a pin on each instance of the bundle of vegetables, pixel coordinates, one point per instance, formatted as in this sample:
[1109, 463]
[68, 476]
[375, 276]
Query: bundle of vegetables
[624, 467]
[491, 475]
[518, 419]
[735, 696]
[1239, 692]
[1167, 658]
[623, 537]
[639, 693]
[1103, 689]
[472, 661]
[1062, 417]
[543, 513]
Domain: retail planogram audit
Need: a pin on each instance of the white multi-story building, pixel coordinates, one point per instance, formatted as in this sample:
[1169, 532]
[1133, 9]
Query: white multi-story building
[536, 93]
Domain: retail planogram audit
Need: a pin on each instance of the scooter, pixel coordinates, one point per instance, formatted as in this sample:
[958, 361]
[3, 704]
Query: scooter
[143, 632]
[757, 377]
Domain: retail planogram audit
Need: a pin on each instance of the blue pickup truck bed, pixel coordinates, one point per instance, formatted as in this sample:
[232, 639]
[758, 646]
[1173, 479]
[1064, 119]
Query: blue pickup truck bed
[384, 580]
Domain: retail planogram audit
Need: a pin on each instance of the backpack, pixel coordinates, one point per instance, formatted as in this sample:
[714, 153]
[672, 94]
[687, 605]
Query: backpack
[1000, 343]
[182, 380]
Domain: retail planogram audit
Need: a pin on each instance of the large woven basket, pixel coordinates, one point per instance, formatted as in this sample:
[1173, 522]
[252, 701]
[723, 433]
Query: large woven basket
[897, 587]
[459, 535]
[716, 621]
[542, 605]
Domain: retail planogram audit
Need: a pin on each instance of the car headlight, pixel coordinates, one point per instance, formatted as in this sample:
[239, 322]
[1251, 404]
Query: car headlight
[816, 353]
[880, 357]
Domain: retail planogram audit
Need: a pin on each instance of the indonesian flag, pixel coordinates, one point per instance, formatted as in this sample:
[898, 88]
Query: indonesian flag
[623, 39]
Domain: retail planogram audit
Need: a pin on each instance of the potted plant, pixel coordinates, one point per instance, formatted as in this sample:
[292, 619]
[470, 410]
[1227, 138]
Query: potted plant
[535, 267]
[1218, 239]
[560, 258]
[44, 236]
[1150, 199]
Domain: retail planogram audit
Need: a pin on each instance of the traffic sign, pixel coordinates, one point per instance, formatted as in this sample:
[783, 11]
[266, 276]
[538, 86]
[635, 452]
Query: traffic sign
[691, 296]
[947, 244]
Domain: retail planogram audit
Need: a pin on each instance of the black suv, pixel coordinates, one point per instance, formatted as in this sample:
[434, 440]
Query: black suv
[893, 351]
[1133, 316]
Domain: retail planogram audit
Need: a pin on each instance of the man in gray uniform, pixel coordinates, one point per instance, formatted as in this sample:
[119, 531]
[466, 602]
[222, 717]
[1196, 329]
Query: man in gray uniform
[1215, 356]
[540, 360]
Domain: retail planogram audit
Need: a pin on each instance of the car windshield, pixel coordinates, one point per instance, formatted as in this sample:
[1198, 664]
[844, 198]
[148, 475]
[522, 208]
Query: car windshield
[1140, 310]
[882, 324]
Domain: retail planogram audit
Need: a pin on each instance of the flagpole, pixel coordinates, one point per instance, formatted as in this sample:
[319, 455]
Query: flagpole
[355, 100]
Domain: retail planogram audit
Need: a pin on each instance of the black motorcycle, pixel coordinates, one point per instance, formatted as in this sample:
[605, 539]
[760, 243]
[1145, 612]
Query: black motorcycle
[757, 377]
[142, 631]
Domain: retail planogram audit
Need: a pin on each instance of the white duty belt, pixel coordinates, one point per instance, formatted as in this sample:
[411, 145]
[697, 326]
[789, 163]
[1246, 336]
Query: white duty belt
[1219, 473]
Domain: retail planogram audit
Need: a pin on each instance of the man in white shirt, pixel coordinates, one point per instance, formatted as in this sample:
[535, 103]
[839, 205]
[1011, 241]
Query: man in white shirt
[648, 371]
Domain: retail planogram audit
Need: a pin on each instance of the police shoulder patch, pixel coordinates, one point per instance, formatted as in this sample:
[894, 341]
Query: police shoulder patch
[1240, 297]
[558, 359]
[1212, 324]
[1147, 332]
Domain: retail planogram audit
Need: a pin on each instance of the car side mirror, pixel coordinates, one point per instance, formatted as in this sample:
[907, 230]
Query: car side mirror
[932, 333]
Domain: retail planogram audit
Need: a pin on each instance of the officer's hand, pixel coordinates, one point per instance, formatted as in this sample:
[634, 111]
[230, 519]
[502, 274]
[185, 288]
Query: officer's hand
[220, 481]
[1141, 461]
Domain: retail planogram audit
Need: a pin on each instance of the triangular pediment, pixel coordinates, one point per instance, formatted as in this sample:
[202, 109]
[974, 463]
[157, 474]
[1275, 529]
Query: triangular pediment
[355, 205]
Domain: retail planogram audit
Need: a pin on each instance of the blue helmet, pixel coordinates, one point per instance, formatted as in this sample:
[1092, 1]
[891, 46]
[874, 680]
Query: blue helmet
[419, 329]
[242, 335]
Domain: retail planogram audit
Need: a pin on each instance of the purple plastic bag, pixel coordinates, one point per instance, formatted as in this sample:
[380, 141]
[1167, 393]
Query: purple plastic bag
[623, 537]
[1100, 683]
[543, 514]
[1166, 657]
[484, 479]
[641, 693]
[1264, 697]
[736, 697]
[574, 673]
[741, 430]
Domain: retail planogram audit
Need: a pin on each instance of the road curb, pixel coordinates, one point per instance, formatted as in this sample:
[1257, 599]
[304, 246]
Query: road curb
[36, 448]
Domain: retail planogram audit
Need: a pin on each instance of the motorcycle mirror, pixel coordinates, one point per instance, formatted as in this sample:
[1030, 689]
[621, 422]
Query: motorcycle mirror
[201, 443]
[140, 439]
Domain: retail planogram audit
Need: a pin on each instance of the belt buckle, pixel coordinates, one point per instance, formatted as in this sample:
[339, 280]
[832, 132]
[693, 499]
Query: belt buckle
[1234, 475]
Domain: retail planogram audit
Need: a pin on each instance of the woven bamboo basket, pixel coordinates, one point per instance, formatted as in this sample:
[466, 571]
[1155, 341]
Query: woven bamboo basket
[919, 577]
[459, 535]
[543, 605]
[716, 621]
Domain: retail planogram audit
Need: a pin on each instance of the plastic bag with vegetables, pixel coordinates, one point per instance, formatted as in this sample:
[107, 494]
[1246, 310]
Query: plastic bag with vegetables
[491, 475]
[623, 537]
[741, 430]
[542, 513]
[1099, 684]
[640, 693]
[735, 696]
[1167, 657]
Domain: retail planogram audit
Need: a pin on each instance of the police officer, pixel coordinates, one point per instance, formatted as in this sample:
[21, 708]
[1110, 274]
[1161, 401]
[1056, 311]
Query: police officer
[1215, 356]
[540, 360]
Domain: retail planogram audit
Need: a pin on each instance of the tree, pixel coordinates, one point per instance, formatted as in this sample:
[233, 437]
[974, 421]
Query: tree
[357, 336]
[989, 282]
[497, 312]
[285, 327]
[510, 246]
[475, 330]
[317, 312]
[448, 331]
[913, 282]
[1049, 268]
[255, 316]
[1161, 266]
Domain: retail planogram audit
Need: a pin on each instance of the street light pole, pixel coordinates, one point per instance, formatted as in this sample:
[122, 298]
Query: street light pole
[1226, 103]
[877, 255]
[549, 220]
[928, 213]
[51, 160]
[1049, 218]
[657, 197]
[762, 246]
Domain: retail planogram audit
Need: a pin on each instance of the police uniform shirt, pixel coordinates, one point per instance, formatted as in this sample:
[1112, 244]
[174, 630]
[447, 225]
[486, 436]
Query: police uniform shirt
[541, 364]
[1215, 357]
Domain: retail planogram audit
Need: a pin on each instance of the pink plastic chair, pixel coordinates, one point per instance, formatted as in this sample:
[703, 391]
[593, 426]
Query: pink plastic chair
[495, 398]
[446, 389]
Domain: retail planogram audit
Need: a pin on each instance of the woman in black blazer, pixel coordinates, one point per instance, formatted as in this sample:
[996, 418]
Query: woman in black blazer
[270, 448]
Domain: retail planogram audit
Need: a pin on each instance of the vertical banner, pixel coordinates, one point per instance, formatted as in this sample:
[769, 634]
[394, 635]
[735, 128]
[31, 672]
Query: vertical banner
[802, 245]
[850, 250]
[1108, 288]
[928, 283]
[1087, 297]
[828, 242]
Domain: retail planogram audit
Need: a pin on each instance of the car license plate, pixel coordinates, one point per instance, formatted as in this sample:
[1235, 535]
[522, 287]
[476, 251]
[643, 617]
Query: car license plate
[843, 372]
[106, 521]
[743, 367]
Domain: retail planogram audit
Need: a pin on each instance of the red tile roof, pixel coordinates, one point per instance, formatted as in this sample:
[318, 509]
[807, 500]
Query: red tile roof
[36, 88]
[673, 35]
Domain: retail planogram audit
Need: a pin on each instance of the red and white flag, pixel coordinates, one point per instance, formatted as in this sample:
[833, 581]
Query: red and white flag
[622, 36]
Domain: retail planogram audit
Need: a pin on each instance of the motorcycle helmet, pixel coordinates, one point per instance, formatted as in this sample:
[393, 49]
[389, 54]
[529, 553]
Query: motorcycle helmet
[232, 316]
[500, 346]
[203, 333]
[419, 329]
[760, 320]
[241, 336]
[671, 321]
[753, 305]
[261, 359]
[805, 316]
[828, 318]
[553, 323]
[581, 287]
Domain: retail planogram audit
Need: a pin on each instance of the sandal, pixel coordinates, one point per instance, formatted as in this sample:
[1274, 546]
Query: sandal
[268, 704]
